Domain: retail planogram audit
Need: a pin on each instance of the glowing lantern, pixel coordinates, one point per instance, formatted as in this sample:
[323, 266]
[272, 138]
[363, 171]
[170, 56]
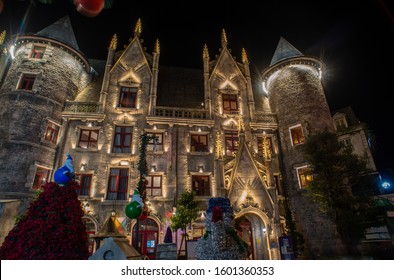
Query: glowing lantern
[89, 8]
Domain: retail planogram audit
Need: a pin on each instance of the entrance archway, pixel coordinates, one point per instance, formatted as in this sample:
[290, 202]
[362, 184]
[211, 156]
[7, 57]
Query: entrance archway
[148, 236]
[254, 228]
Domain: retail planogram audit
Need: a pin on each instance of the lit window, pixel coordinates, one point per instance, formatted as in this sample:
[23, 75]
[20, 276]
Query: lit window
[200, 184]
[88, 138]
[128, 97]
[154, 185]
[122, 139]
[118, 183]
[304, 176]
[85, 181]
[155, 144]
[27, 81]
[52, 132]
[199, 143]
[40, 178]
[230, 104]
[37, 52]
[297, 136]
[231, 140]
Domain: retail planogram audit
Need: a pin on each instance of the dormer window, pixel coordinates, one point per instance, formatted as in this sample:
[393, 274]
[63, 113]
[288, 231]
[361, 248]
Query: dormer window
[230, 104]
[341, 123]
[128, 97]
[37, 52]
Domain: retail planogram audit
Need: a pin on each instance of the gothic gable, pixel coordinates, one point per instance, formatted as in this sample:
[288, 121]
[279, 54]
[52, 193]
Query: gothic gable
[245, 181]
[227, 73]
[132, 64]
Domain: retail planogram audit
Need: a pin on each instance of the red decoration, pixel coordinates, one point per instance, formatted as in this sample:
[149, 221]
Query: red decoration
[51, 229]
[217, 214]
[89, 8]
[169, 215]
[144, 215]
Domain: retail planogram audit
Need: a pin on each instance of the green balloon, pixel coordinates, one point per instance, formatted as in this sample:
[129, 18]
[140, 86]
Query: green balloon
[133, 210]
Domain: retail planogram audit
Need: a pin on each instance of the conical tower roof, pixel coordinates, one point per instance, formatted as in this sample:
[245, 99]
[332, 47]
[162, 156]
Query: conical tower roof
[283, 51]
[60, 31]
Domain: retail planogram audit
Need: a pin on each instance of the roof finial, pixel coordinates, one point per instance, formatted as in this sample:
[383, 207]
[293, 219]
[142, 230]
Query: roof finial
[114, 42]
[244, 56]
[2, 37]
[157, 46]
[224, 38]
[205, 53]
[138, 28]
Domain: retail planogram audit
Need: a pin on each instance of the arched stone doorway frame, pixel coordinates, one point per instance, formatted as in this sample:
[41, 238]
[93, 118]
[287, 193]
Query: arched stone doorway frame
[249, 211]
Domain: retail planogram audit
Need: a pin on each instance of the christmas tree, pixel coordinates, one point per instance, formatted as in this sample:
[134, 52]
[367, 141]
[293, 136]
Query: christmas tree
[52, 227]
[220, 241]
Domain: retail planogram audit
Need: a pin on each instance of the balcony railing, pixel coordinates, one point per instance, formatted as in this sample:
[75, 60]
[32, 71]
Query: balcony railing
[266, 118]
[81, 107]
[169, 112]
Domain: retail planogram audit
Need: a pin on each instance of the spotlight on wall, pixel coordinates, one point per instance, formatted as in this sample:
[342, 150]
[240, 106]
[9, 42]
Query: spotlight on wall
[124, 163]
[83, 167]
[201, 168]
[153, 168]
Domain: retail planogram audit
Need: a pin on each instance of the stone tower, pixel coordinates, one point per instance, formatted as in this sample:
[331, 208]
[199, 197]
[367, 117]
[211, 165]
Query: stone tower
[45, 70]
[295, 92]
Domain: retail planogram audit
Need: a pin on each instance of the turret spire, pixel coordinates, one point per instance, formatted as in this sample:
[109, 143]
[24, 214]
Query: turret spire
[138, 28]
[114, 42]
[157, 46]
[205, 53]
[224, 39]
[244, 56]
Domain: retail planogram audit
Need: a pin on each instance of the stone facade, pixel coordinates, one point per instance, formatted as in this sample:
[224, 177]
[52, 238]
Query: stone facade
[224, 138]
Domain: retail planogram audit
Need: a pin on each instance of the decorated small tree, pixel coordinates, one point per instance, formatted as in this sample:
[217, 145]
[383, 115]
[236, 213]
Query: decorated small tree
[220, 241]
[186, 212]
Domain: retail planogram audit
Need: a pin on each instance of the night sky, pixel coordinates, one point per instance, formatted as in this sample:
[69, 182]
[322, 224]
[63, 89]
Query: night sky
[355, 41]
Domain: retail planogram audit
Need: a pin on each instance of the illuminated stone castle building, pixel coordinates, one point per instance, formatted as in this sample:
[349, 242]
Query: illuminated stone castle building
[219, 131]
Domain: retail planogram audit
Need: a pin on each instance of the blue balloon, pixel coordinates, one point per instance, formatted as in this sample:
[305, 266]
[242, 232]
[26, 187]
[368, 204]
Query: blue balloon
[65, 174]
[62, 176]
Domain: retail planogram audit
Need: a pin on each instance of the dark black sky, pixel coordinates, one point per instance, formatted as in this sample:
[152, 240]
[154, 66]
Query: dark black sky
[355, 40]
